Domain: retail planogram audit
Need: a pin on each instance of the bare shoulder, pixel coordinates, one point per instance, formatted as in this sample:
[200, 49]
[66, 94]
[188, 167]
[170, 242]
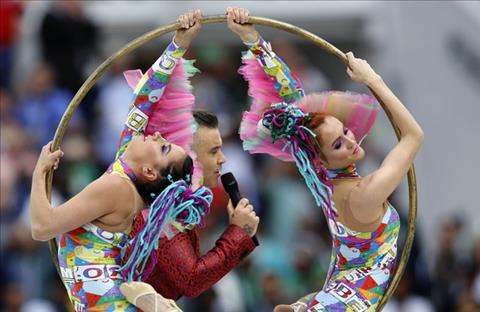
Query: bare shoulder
[102, 197]
[124, 200]
[107, 190]
[117, 186]
[359, 195]
[364, 207]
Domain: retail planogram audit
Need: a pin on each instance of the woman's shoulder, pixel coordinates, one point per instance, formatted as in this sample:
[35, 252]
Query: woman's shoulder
[343, 187]
[114, 188]
[111, 180]
[125, 201]
[353, 203]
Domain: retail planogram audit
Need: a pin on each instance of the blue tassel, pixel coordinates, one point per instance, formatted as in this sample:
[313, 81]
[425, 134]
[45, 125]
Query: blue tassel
[176, 201]
[322, 193]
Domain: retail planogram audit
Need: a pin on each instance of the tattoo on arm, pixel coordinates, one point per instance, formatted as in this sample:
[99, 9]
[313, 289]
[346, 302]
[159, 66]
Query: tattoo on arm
[247, 228]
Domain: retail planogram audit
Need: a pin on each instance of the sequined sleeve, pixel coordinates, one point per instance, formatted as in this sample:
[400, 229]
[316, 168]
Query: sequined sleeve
[148, 91]
[182, 271]
[287, 84]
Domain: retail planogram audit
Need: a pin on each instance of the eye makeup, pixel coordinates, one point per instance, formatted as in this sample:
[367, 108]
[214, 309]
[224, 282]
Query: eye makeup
[338, 142]
[165, 149]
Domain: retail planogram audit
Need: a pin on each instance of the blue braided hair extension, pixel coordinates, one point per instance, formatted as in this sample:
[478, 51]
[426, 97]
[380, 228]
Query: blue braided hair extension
[286, 121]
[176, 202]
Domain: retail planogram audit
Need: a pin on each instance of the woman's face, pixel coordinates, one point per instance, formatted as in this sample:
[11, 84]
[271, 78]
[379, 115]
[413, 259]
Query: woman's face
[338, 144]
[154, 151]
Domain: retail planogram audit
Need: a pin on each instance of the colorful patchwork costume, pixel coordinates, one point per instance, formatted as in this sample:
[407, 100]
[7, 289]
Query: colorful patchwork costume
[361, 263]
[360, 268]
[90, 258]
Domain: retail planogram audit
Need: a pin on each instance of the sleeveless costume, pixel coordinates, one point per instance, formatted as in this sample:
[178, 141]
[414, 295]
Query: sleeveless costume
[361, 262]
[90, 258]
[360, 267]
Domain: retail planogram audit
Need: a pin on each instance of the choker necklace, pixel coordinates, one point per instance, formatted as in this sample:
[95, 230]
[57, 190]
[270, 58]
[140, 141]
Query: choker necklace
[128, 171]
[349, 172]
[120, 166]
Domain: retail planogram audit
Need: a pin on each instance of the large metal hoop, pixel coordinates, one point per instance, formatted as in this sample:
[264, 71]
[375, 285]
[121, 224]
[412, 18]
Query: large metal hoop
[132, 45]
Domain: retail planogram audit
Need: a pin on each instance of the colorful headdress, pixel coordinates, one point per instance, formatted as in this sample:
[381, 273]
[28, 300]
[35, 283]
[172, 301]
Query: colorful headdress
[171, 115]
[278, 129]
[357, 111]
[184, 201]
[286, 122]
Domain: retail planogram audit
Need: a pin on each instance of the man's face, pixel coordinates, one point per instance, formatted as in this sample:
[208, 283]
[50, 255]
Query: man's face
[207, 144]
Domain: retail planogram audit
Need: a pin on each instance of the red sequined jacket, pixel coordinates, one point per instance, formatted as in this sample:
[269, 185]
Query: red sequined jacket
[180, 271]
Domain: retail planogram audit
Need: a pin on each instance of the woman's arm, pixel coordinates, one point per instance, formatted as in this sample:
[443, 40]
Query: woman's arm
[375, 188]
[287, 84]
[151, 86]
[90, 204]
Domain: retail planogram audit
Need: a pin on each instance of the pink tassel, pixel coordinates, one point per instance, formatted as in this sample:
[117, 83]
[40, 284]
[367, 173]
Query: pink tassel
[358, 112]
[172, 114]
[260, 87]
[264, 94]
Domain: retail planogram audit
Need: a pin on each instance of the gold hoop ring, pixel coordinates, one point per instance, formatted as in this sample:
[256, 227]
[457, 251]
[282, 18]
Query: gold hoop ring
[134, 44]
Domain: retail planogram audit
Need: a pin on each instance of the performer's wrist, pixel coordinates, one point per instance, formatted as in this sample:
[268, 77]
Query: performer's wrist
[373, 80]
[251, 39]
[39, 172]
[179, 43]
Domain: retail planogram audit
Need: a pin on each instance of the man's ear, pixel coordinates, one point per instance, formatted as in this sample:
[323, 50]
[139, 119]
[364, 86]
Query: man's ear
[149, 173]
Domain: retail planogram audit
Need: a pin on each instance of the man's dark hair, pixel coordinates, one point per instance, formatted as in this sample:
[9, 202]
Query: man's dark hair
[205, 119]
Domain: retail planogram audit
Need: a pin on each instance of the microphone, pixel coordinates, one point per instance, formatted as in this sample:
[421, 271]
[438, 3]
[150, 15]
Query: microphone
[231, 187]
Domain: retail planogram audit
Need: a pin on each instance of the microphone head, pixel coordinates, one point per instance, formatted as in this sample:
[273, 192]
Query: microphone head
[228, 180]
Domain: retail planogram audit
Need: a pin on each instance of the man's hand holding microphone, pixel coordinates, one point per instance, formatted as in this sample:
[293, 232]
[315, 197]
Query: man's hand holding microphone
[244, 216]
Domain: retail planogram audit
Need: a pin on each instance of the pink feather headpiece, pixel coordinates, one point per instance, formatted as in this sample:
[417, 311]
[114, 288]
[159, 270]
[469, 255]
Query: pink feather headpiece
[357, 111]
[172, 114]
